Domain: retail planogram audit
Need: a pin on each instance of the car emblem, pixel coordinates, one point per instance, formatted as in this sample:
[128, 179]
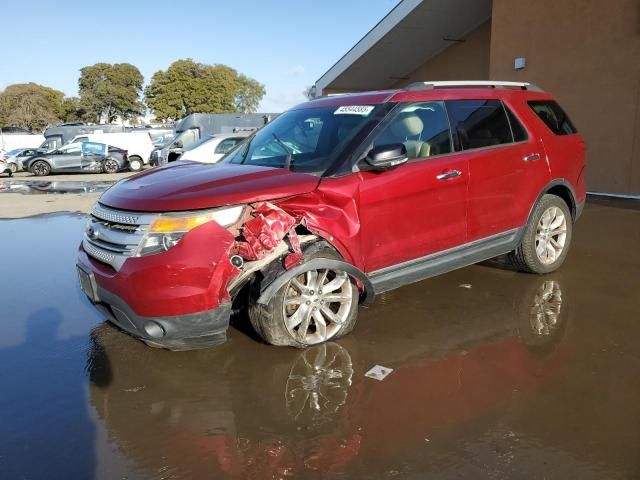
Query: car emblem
[92, 233]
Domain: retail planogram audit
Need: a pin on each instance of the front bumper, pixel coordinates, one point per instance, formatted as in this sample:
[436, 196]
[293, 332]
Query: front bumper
[178, 299]
[177, 332]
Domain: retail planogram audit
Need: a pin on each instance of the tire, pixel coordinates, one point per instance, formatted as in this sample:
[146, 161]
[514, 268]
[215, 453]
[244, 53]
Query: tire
[40, 168]
[110, 165]
[13, 167]
[135, 163]
[270, 321]
[542, 251]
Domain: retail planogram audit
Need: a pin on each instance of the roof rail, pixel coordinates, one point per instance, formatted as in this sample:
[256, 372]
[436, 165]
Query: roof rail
[474, 83]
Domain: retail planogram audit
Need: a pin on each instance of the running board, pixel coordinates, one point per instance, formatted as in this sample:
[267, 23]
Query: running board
[428, 266]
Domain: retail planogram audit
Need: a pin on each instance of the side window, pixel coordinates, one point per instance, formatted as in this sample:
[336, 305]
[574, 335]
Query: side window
[71, 148]
[227, 144]
[479, 123]
[519, 133]
[553, 116]
[423, 128]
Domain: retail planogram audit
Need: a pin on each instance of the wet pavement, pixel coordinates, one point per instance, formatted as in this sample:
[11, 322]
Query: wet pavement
[37, 187]
[496, 374]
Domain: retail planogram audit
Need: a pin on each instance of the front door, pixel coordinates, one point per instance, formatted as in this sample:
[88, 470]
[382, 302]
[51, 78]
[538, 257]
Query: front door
[68, 157]
[418, 208]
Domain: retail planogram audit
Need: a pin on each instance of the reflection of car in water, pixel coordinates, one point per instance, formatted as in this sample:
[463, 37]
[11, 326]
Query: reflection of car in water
[78, 157]
[266, 413]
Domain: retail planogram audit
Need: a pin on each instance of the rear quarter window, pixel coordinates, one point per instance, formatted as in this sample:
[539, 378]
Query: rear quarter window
[553, 116]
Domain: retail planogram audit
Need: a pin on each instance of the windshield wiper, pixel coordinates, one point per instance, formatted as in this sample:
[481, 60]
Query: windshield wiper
[287, 163]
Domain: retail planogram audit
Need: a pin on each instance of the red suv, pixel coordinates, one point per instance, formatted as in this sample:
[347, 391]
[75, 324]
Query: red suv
[335, 201]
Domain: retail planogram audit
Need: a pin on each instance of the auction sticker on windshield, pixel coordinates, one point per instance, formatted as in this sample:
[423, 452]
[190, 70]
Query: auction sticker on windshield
[363, 110]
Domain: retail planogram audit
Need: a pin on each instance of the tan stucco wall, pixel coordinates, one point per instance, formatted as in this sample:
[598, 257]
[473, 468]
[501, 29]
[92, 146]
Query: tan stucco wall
[468, 60]
[587, 54]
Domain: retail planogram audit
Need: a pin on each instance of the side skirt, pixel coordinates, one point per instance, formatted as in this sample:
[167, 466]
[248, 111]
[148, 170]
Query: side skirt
[421, 268]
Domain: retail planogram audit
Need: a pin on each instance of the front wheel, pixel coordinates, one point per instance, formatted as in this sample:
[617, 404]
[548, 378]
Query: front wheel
[40, 168]
[312, 308]
[110, 166]
[546, 239]
[13, 167]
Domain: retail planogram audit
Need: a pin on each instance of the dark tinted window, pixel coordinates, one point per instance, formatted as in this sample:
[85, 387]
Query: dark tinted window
[519, 133]
[479, 123]
[553, 116]
[422, 127]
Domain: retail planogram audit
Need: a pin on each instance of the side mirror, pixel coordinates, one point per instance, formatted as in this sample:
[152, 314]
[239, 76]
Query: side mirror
[178, 144]
[384, 157]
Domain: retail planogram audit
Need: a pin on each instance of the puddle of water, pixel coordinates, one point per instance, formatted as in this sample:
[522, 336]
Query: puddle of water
[36, 187]
[519, 376]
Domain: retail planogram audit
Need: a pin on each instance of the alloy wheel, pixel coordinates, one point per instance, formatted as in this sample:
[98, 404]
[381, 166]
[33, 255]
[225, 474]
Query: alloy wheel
[316, 305]
[551, 235]
[40, 169]
[110, 166]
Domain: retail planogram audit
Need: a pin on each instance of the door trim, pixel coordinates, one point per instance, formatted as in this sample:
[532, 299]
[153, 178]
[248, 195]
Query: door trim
[412, 271]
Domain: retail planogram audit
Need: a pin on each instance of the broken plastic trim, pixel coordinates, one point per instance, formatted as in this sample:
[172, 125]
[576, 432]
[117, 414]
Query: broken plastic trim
[319, 263]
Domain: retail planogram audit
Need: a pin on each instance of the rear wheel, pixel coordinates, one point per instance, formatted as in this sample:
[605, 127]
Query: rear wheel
[135, 163]
[110, 165]
[312, 308]
[41, 168]
[545, 242]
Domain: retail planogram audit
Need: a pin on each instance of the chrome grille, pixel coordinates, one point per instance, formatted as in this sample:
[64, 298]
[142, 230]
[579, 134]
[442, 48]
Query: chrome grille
[112, 235]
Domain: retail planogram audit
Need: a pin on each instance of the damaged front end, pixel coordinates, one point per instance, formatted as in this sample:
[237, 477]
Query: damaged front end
[169, 279]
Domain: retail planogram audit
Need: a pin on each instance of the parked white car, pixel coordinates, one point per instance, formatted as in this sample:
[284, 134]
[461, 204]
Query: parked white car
[137, 144]
[211, 149]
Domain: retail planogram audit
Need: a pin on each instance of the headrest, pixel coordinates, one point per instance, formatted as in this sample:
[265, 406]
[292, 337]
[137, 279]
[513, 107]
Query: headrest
[407, 124]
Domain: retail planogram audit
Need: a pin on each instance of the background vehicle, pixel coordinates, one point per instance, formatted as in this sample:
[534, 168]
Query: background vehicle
[78, 157]
[59, 135]
[138, 145]
[336, 201]
[15, 157]
[199, 125]
[212, 149]
[5, 168]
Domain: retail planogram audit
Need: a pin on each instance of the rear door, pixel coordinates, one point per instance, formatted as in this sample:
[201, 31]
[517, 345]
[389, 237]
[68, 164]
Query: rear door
[418, 208]
[505, 163]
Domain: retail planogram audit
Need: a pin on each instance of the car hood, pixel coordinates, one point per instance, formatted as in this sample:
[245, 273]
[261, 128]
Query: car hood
[187, 185]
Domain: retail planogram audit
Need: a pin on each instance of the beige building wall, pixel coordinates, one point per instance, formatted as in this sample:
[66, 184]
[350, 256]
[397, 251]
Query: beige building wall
[587, 54]
[463, 60]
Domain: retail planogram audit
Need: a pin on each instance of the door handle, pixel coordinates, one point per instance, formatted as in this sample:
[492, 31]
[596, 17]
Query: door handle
[531, 158]
[449, 174]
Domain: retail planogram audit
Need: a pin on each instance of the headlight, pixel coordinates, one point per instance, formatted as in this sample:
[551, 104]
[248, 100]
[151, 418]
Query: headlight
[167, 230]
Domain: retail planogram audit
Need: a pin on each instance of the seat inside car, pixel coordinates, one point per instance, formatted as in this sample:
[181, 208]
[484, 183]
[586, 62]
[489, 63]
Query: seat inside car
[407, 128]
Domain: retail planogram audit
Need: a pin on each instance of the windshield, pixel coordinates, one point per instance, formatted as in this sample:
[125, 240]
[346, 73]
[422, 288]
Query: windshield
[308, 140]
[188, 137]
[13, 152]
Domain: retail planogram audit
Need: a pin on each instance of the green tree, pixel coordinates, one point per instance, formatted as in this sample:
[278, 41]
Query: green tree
[249, 94]
[71, 110]
[188, 87]
[29, 105]
[108, 91]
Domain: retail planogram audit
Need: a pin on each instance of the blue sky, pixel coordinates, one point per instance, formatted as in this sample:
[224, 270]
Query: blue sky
[286, 45]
